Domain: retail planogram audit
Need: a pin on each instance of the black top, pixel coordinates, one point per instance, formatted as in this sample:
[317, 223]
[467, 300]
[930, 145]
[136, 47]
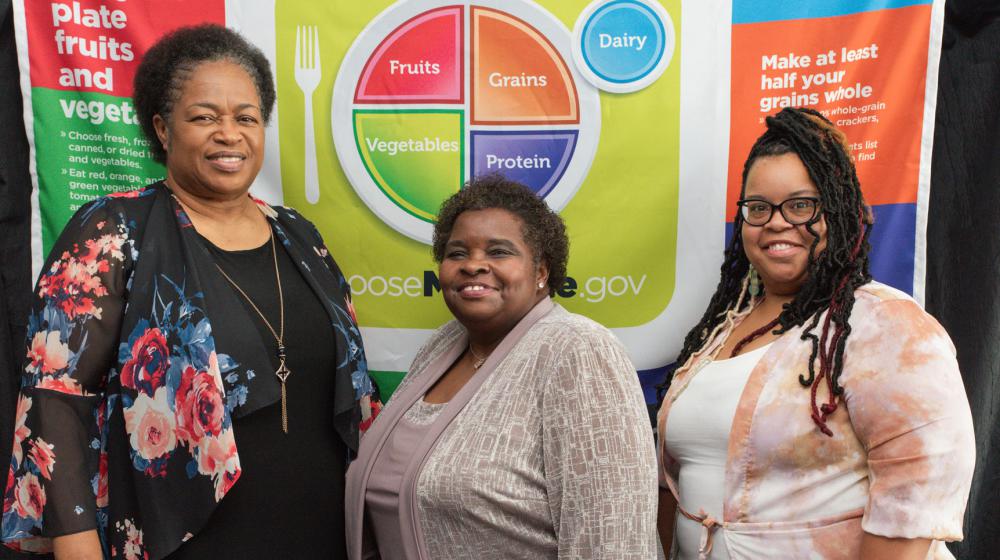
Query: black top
[289, 500]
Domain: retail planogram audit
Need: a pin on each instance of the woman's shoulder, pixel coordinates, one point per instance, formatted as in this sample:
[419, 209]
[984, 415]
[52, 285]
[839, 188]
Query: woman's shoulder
[282, 212]
[112, 219]
[293, 221]
[569, 337]
[572, 327]
[286, 215]
[875, 292]
[877, 303]
[888, 317]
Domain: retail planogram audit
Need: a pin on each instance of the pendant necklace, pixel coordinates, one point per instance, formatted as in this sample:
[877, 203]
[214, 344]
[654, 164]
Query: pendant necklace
[282, 372]
[477, 359]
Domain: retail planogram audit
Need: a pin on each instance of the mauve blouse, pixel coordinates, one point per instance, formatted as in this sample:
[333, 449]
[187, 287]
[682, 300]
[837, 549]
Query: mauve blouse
[382, 496]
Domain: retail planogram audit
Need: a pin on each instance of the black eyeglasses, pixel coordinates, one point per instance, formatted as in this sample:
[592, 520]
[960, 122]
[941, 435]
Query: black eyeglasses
[796, 211]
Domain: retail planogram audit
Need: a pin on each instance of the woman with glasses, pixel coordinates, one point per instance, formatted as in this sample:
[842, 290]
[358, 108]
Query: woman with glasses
[814, 412]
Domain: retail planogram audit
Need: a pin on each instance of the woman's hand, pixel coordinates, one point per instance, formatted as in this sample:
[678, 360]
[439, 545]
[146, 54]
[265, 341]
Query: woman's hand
[666, 512]
[78, 546]
[874, 547]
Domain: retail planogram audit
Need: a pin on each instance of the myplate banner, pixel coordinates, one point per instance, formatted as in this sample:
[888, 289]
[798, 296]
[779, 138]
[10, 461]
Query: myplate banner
[630, 117]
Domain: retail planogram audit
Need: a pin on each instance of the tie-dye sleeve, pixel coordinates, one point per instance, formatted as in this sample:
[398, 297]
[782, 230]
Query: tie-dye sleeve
[908, 407]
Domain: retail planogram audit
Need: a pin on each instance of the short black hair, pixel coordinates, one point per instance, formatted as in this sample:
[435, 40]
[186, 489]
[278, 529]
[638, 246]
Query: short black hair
[544, 231]
[170, 62]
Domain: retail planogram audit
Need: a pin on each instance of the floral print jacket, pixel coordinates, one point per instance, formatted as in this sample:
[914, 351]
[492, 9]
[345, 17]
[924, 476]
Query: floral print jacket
[137, 361]
[899, 463]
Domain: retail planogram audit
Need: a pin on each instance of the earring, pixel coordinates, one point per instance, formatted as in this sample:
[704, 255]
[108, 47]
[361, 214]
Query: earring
[754, 282]
[541, 284]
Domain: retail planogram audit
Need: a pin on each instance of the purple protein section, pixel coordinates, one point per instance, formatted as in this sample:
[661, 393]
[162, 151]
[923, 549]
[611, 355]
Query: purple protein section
[536, 159]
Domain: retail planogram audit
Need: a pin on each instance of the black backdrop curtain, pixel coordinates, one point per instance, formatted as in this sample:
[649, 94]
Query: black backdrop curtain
[15, 233]
[963, 242]
[963, 239]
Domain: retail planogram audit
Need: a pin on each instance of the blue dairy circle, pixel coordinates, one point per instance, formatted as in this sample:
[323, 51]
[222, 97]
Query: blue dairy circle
[622, 41]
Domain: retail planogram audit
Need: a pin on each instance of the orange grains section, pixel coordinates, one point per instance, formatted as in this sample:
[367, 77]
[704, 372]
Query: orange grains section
[518, 76]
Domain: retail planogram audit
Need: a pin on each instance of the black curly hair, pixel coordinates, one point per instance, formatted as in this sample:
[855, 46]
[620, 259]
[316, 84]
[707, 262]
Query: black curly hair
[834, 273]
[160, 77]
[544, 231]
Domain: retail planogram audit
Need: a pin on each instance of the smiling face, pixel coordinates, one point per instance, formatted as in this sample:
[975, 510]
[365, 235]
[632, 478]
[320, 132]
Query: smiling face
[214, 138]
[488, 275]
[778, 250]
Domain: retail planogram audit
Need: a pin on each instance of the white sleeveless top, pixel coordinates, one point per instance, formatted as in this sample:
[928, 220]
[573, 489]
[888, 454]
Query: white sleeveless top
[698, 438]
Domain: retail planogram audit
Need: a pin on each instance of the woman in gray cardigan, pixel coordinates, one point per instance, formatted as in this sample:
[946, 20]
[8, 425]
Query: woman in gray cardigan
[520, 430]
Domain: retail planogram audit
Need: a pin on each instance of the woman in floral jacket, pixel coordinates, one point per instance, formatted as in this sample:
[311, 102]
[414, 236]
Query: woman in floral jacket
[149, 421]
[816, 413]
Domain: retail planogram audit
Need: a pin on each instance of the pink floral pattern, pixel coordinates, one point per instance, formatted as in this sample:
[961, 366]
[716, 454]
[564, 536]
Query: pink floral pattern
[217, 458]
[44, 459]
[200, 406]
[61, 384]
[132, 548]
[21, 430]
[73, 281]
[29, 497]
[148, 364]
[101, 497]
[125, 349]
[48, 353]
[150, 424]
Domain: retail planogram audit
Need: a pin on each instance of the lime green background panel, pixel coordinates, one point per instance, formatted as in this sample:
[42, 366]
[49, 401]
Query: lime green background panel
[622, 221]
[362, 244]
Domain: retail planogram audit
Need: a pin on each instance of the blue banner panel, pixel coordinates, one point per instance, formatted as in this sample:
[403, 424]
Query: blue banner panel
[892, 245]
[651, 378]
[757, 11]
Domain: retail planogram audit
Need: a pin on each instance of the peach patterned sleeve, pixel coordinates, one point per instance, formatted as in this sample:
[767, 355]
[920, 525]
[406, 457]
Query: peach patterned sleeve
[909, 408]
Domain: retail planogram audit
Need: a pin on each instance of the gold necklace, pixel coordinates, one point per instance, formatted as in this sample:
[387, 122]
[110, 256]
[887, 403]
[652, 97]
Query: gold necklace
[478, 363]
[282, 372]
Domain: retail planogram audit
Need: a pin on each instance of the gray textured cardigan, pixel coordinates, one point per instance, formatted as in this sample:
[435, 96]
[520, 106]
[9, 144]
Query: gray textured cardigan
[546, 453]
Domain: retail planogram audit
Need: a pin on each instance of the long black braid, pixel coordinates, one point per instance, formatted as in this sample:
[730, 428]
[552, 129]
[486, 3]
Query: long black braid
[834, 273]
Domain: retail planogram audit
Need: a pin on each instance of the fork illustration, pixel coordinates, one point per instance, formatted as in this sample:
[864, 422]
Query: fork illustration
[307, 76]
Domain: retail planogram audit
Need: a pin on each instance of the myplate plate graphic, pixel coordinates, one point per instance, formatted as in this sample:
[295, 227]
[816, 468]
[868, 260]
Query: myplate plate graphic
[433, 93]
